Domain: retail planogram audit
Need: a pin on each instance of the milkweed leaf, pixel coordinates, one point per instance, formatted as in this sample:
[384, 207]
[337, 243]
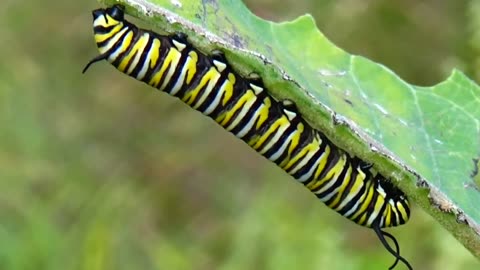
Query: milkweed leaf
[426, 139]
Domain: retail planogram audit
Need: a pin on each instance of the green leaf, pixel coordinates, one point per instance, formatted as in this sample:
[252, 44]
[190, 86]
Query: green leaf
[426, 139]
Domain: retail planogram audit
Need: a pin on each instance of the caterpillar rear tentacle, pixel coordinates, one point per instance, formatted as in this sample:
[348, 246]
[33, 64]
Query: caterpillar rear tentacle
[244, 107]
[396, 253]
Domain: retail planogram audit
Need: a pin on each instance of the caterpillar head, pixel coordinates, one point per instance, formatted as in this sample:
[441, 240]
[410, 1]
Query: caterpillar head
[106, 23]
[108, 17]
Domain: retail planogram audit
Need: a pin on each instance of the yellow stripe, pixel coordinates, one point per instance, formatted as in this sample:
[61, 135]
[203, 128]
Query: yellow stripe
[212, 75]
[346, 180]
[113, 40]
[102, 37]
[171, 59]
[192, 66]
[154, 52]
[378, 206]
[333, 173]
[323, 162]
[126, 43]
[228, 89]
[365, 200]
[100, 21]
[224, 118]
[111, 21]
[263, 113]
[402, 211]
[296, 137]
[388, 216]
[141, 43]
[307, 149]
[281, 121]
[357, 185]
[363, 220]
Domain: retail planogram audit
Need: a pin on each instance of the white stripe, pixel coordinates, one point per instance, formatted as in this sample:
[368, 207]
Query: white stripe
[302, 163]
[381, 191]
[246, 128]
[146, 64]
[355, 207]
[372, 217]
[335, 191]
[138, 54]
[181, 79]
[111, 43]
[216, 100]
[306, 176]
[282, 148]
[350, 196]
[171, 70]
[382, 221]
[327, 197]
[206, 91]
[275, 138]
[100, 20]
[397, 214]
[330, 182]
[243, 111]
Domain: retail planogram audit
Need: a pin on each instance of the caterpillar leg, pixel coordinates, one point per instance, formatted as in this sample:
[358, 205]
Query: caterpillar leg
[365, 165]
[290, 105]
[255, 78]
[182, 37]
[219, 56]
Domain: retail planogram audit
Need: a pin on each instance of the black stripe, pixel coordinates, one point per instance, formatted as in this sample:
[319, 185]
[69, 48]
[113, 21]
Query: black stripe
[252, 113]
[338, 182]
[239, 89]
[307, 136]
[143, 60]
[272, 116]
[381, 213]
[120, 57]
[402, 218]
[279, 143]
[359, 214]
[353, 201]
[211, 97]
[305, 169]
[203, 65]
[117, 44]
[135, 40]
[164, 49]
[99, 29]
[178, 71]
[213, 92]
[353, 180]
[332, 160]
[371, 206]
[235, 114]
[292, 127]
[270, 136]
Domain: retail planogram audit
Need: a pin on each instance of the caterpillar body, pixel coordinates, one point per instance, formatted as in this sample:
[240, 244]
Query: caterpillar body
[243, 106]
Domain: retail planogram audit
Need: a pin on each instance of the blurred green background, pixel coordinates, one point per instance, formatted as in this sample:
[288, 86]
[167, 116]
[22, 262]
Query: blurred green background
[98, 171]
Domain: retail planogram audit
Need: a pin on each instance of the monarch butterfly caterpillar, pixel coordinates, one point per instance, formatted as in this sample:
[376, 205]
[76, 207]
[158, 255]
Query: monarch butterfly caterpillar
[244, 107]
